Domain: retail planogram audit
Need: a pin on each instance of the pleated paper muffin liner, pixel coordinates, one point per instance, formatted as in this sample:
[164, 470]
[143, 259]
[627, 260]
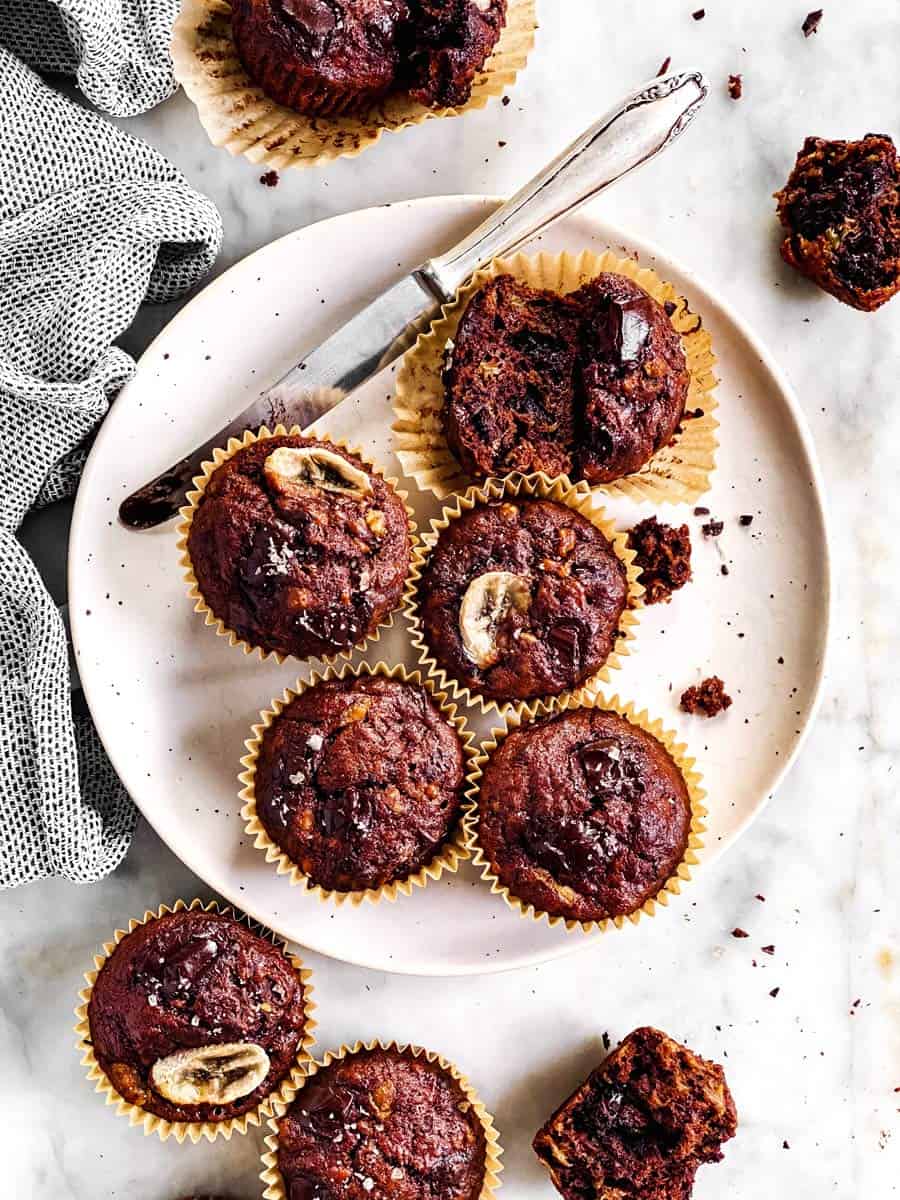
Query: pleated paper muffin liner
[194, 498]
[580, 499]
[194, 1130]
[453, 851]
[238, 115]
[677, 473]
[271, 1176]
[677, 751]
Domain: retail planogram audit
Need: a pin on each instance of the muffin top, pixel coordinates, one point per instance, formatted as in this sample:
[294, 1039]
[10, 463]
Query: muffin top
[194, 1017]
[590, 384]
[632, 379]
[360, 781]
[382, 1124]
[522, 599]
[641, 1124]
[299, 547]
[583, 815]
[840, 209]
[333, 56]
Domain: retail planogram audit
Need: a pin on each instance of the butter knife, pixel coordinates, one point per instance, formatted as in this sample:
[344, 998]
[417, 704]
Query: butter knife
[628, 136]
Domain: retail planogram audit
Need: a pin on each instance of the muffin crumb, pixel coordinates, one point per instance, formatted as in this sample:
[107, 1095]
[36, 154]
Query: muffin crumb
[663, 553]
[707, 698]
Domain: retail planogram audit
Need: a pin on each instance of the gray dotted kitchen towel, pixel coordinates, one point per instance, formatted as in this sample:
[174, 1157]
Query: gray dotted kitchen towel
[118, 50]
[92, 223]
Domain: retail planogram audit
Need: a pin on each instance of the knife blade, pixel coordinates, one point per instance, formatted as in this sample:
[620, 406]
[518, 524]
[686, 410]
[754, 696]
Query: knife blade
[629, 135]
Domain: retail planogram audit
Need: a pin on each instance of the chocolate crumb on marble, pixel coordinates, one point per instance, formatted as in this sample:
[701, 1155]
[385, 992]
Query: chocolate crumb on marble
[666, 63]
[699, 14]
[745, 519]
[713, 528]
[739, 933]
[707, 698]
[269, 179]
[735, 86]
[812, 21]
[663, 552]
[641, 1124]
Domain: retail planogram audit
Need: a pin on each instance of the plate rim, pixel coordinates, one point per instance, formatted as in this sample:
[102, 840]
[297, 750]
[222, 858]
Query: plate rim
[646, 249]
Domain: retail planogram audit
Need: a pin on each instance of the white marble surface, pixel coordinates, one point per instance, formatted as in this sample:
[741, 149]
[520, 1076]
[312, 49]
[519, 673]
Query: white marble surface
[807, 1067]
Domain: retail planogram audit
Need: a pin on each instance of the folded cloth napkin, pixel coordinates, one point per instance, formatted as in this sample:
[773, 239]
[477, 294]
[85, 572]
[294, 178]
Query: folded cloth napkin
[118, 50]
[92, 223]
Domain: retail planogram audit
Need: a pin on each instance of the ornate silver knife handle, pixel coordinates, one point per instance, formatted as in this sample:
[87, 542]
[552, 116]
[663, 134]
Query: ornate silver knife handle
[625, 138]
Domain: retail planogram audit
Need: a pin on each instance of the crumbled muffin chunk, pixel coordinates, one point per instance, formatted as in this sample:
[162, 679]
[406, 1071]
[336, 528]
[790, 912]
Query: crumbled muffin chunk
[664, 555]
[640, 1125]
[841, 210]
[707, 698]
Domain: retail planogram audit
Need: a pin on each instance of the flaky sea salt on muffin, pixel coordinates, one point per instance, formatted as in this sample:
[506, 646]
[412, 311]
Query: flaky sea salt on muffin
[195, 1018]
[583, 815]
[298, 546]
[382, 1122]
[359, 781]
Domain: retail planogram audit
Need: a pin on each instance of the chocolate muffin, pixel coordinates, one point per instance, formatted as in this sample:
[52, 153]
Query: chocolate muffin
[382, 1123]
[298, 547]
[521, 599]
[841, 210]
[327, 57]
[194, 1017]
[360, 781]
[632, 379]
[508, 381]
[641, 1124]
[591, 384]
[583, 815]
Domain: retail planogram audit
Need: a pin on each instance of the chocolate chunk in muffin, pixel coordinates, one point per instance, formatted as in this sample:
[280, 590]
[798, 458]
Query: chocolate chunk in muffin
[298, 547]
[444, 46]
[523, 599]
[663, 553]
[841, 210]
[384, 1123]
[632, 379]
[508, 381]
[591, 384]
[640, 1125]
[360, 781]
[194, 1017]
[583, 815]
[328, 57]
[707, 698]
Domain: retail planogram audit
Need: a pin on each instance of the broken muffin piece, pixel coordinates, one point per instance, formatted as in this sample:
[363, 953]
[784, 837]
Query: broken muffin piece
[641, 1124]
[707, 698]
[663, 554]
[841, 209]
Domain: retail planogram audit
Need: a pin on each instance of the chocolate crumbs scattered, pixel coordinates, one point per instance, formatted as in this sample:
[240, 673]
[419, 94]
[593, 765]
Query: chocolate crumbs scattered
[699, 14]
[739, 933]
[745, 519]
[708, 698]
[270, 179]
[774, 992]
[811, 24]
[713, 528]
[666, 63]
[735, 86]
[701, 512]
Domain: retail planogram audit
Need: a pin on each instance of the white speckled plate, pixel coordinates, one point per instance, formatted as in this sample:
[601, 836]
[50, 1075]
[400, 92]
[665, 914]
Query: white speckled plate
[173, 702]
